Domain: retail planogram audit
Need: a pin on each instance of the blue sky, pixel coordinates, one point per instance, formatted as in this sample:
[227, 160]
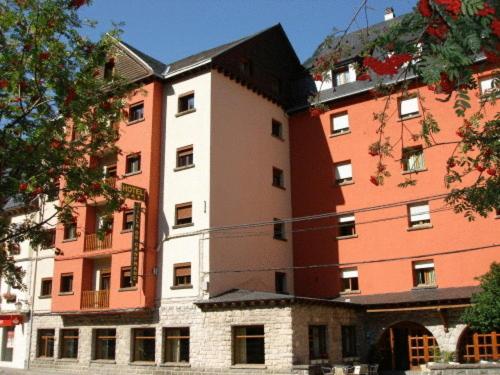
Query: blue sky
[173, 29]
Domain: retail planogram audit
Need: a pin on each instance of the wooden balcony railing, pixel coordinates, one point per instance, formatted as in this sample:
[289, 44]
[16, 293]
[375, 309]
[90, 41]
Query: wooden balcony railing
[93, 242]
[95, 299]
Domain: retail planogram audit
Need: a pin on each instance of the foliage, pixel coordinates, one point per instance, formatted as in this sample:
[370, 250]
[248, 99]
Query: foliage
[484, 314]
[441, 45]
[56, 115]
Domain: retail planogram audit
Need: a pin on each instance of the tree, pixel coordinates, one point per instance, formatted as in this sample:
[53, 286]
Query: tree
[484, 314]
[57, 115]
[439, 45]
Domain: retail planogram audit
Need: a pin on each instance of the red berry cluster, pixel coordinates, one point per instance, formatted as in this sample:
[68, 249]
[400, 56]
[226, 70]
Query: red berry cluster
[77, 3]
[424, 8]
[315, 112]
[374, 180]
[363, 77]
[389, 66]
[487, 10]
[439, 30]
[495, 27]
[452, 6]
[70, 96]
[4, 83]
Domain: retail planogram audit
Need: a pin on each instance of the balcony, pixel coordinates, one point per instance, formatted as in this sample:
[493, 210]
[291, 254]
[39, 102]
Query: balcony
[93, 242]
[95, 299]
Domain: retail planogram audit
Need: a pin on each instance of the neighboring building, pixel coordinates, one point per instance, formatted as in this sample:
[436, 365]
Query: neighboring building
[408, 259]
[18, 306]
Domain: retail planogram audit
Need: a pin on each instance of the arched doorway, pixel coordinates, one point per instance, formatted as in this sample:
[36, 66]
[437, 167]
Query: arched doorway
[405, 346]
[475, 346]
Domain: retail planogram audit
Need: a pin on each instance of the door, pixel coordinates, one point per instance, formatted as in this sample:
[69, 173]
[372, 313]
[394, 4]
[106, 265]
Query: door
[105, 280]
[422, 348]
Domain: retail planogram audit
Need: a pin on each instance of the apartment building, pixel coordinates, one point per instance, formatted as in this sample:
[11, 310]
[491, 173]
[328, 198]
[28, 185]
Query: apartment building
[18, 306]
[400, 252]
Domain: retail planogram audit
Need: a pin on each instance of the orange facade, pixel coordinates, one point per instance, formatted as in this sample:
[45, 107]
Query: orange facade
[90, 273]
[385, 231]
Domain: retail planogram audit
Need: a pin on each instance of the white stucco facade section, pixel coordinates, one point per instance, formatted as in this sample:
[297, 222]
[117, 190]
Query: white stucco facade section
[243, 155]
[185, 185]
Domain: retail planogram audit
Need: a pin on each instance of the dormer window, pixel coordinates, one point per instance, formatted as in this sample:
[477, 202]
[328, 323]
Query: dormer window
[342, 75]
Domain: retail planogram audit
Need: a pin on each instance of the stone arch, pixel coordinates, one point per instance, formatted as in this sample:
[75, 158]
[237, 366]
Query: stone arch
[404, 345]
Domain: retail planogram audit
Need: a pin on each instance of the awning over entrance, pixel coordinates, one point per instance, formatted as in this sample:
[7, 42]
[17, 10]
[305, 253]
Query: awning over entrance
[10, 320]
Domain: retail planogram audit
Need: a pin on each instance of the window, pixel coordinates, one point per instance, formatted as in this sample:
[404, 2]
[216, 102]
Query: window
[408, 107]
[110, 171]
[70, 230]
[349, 280]
[278, 230]
[66, 283]
[176, 344]
[280, 282]
[186, 102]
[347, 225]
[185, 156]
[133, 164]
[276, 129]
[278, 178]
[125, 278]
[45, 343]
[317, 342]
[104, 343]
[248, 345]
[424, 274]
[486, 85]
[7, 349]
[136, 112]
[342, 76]
[419, 214]
[182, 274]
[183, 213]
[340, 123]
[128, 220]
[413, 159]
[349, 347]
[343, 173]
[46, 288]
[144, 344]
[69, 343]
[49, 239]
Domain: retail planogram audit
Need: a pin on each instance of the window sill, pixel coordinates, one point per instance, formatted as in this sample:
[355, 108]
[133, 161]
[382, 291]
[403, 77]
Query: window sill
[132, 174]
[348, 292]
[126, 231]
[66, 293]
[409, 117]
[419, 227]
[280, 239]
[346, 237]
[69, 240]
[104, 361]
[175, 364]
[179, 114]
[279, 187]
[177, 169]
[344, 183]
[414, 171]
[128, 289]
[135, 121]
[74, 360]
[176, 287]
[177, 226]
[279, 137]
[420, 287]
[248, 366]
[45, 297]
[334, 135]
[142, 363]
[45, 359]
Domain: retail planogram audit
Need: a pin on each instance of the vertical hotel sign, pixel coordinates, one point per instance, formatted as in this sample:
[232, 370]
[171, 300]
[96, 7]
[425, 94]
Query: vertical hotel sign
[136, 237]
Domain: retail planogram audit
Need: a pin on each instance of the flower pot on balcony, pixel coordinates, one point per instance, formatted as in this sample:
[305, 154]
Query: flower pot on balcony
[9, 297]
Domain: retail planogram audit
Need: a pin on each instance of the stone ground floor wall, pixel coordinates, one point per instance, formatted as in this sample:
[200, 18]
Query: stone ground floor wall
[211, 339]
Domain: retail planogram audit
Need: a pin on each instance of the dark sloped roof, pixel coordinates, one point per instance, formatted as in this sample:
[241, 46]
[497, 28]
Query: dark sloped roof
[415, 296]
[157, 66]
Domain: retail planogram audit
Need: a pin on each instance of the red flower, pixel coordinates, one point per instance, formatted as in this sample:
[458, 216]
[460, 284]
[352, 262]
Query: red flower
[363, 77]
[23, 186]
[447, 86]
[487, 10]
[495, 27]
[492, 57]
[491, 171]
[438, 30]
[480, 168]
[424, 8]
[374, 180]
[4, 83]
[39, 190]
[44, 56]
[452, 6]
[315, 112]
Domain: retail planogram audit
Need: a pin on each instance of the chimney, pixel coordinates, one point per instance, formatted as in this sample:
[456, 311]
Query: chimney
[389, 14]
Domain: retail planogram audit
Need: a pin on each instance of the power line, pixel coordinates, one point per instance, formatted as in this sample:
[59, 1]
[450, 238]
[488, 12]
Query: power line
[306, 218]
[332, 265]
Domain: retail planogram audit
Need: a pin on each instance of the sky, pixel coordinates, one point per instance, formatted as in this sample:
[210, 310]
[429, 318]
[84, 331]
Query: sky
[170, 30]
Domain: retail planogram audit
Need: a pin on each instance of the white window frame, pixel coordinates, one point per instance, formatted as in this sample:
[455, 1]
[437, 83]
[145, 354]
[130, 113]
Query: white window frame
[343, 173]
[340, 123]
[419, 214]
[409, 107]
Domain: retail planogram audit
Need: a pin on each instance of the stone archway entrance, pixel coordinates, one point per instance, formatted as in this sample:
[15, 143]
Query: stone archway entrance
[406, 346]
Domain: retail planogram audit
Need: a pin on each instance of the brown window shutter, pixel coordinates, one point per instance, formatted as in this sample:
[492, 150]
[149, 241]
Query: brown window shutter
[184, 212]
[184, 270]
